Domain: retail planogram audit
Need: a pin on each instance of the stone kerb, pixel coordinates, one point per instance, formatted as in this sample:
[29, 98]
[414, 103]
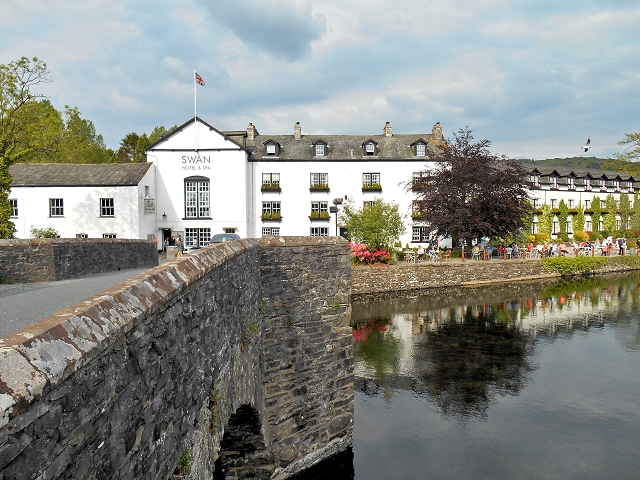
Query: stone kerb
[50, 259]
[111, 386]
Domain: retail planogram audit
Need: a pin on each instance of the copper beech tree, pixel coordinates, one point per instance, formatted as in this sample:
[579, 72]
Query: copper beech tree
[471, 192]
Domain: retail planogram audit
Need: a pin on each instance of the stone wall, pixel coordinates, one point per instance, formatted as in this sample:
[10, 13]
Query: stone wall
[308, 351]
[117, 386]
[50, 259]
[388, 278]
[374, 279]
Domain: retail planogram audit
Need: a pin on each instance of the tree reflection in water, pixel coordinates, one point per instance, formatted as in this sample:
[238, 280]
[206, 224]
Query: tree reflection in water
[463, 364]
[462, 357]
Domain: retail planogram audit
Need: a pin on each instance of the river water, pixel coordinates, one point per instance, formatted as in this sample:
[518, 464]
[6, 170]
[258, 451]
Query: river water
[521, 381]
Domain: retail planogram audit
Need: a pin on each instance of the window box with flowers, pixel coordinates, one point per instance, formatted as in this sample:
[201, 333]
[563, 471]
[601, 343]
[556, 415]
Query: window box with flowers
[371, 187]
[266, 216]
[320, 187]
[270, 187]
[324, 215]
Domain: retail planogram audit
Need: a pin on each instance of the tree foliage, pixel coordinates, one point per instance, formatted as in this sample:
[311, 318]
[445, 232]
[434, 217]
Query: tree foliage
[596, 208]
[632, 152]
[609, 220]
[579, 219]
[379, 225]
[634, 222]
[563, 215]
[472, 192]
[545, 219]
[26, 124]
[624, 207]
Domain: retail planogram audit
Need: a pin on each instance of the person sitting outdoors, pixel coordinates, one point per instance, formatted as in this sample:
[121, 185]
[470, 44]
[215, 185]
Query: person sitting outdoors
[489, 250]
[563, 249]
[420, 253]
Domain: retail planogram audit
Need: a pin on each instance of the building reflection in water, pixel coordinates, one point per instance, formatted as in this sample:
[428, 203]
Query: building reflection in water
[463, 347]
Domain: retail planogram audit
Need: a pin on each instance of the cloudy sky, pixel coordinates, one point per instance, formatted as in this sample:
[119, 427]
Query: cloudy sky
[534, 77]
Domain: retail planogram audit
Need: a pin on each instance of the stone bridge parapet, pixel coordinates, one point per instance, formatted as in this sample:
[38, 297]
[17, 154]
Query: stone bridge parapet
[237, 358]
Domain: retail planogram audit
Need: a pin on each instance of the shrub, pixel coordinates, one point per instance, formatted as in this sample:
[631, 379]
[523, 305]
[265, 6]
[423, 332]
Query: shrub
[360, 255]
[579, 236]
[595, 236]
[542, 237]
[629, 234]
[570, 265]
[563, 237]
[48, 232]
[531, 238]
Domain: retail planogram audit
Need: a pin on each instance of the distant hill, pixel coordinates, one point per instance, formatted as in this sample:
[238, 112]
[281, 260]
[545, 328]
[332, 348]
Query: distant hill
[571, 162]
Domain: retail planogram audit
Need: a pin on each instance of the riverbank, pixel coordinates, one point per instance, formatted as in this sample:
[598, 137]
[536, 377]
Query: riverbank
[372, 279]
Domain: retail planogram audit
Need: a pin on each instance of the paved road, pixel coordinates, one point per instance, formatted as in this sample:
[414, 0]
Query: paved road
[25, 303]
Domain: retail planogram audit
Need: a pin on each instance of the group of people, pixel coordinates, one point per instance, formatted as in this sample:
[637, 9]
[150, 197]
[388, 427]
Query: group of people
[422, 253]
[174, 242]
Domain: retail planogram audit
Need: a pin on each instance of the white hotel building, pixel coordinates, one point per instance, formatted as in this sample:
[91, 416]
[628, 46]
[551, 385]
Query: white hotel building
[200, 181]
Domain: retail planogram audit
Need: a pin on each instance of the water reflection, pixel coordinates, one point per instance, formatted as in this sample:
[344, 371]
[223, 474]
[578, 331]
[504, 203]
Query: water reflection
[464, 348]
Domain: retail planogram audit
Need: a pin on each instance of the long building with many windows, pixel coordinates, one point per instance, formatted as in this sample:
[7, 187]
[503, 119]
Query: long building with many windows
[199, 181]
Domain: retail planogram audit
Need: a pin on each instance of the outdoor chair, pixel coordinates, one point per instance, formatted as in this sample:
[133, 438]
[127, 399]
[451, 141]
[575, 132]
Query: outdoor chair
[509, 252]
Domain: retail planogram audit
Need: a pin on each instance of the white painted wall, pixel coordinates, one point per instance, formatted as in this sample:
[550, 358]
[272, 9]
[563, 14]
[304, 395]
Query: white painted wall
[221, 161]
[345, 178]
[82, 210]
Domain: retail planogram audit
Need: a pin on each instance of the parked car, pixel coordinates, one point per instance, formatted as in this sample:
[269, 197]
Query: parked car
[224, 237]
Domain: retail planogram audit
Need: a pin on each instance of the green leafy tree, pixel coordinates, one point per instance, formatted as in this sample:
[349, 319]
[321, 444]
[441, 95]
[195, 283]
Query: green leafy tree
[563, 215]
[632, 152]
[634, 223]
[132, 148]
[545, 219]
[80, 142]
[624, 207]
[609, 220]
[579, 218]
[379, 225]
[22, 129]
[596, 208]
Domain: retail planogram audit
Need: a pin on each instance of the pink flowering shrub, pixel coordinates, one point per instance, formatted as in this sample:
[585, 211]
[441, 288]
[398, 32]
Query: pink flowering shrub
[360, 255]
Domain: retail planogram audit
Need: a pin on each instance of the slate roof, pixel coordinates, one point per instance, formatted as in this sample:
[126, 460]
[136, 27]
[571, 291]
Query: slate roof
[582, 173]
[339, 147]
[77, 175]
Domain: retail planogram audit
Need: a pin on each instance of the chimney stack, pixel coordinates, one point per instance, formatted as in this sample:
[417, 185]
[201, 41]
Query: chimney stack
[297, 131]
[436, 131]
[251, 132]
[388, 131]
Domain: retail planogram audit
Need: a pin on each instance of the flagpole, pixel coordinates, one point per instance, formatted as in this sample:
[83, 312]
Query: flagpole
[195, 108]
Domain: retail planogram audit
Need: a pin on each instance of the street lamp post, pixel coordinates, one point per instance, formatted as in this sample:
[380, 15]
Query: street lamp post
[334, 209]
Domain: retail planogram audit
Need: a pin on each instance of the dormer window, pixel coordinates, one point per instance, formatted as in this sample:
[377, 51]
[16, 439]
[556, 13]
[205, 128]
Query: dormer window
[420, 150]
[369, 148]
[271, 148]
[320, 148]
[587, 184]
[553, 181]
[534, 179]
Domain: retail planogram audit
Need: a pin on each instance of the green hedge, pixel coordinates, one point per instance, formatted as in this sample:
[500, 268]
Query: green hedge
[566, 265]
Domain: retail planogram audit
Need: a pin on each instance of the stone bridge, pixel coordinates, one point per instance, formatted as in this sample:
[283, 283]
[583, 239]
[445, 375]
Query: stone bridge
[233, 362]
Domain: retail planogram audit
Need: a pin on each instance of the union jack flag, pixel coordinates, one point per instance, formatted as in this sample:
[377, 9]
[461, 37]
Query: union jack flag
[199, 79]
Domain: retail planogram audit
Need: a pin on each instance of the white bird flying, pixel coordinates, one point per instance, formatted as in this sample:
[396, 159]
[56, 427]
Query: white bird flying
[587, 146]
